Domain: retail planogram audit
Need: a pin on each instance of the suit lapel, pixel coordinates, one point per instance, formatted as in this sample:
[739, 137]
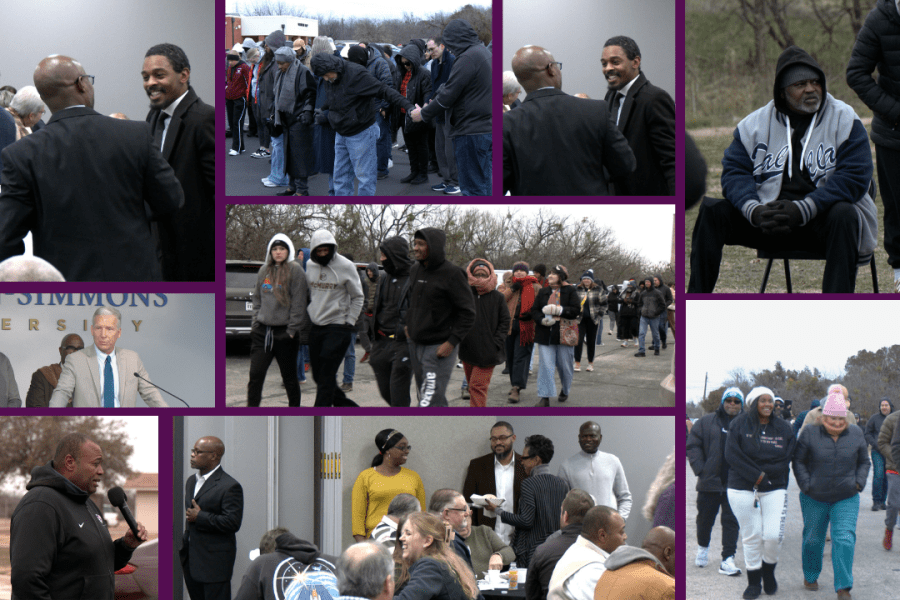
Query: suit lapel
[122, 368]
[91, 355]
[210, 483]
[628, 103]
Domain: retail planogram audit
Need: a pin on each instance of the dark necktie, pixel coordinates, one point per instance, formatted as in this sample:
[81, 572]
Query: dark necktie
[109, 386]
[160, 128]
[617, 102]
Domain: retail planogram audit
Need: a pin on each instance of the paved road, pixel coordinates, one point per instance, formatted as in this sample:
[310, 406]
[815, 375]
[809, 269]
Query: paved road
[876, 573]
[243, 175]
[618, 379]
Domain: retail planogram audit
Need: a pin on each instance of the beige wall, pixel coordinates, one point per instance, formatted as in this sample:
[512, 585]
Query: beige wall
[146, 511]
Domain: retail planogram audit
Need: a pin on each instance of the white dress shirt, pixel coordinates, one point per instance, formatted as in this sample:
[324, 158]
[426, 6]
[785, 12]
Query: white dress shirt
[503, 478]
[201, 479]
[101, 360]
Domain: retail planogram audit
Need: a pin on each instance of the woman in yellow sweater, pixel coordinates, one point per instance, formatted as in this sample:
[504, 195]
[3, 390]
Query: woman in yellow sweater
[376, 487]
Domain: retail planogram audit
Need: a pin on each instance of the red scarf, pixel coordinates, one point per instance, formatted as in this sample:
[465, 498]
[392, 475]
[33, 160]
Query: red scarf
[403, 83]
[526, 328]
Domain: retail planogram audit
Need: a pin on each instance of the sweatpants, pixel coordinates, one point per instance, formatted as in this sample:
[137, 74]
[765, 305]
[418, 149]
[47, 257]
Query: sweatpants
[432, 373]
[816, 516]
[393, 370]
[708, 504]
[762, 527]
[267, 343]
[327, 347]
[235, 111]
[893, 500]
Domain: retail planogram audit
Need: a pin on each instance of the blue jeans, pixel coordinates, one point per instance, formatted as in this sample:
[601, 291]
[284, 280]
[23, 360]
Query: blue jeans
[383, 143]
[276, 174]
[555, 357]
[599, 341]
[816, 516]
[302, 361]
[473, 163]
[879, 485]
[654, 328]
[355, 154]
[350, 360]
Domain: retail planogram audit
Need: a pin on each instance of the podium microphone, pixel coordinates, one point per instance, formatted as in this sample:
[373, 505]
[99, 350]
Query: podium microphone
[117, 498]
[159, 388]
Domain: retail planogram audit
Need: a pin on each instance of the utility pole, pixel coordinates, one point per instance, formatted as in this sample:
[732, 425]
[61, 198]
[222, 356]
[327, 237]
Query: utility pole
[705, 380]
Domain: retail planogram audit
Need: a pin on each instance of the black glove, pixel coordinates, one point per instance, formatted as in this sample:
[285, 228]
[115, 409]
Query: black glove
[525, 316]
[756, 215]
[516, 286]
[781, 217]
[305, 118]
[277, 130]
[321, 118]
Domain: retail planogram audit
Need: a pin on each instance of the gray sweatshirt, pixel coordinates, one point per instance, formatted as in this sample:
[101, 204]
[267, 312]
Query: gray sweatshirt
[336, 296]
[266, 308]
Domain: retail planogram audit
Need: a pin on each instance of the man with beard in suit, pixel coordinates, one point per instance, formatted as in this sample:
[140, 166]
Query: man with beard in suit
[84, 185]
[214, 508]
[183, 127]
[645, 114]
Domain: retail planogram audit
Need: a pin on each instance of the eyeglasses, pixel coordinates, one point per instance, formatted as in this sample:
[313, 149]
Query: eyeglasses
[403, 448]
[91, 77]
[499, 438]
[558, 65]
[465, 510]
[195, 451]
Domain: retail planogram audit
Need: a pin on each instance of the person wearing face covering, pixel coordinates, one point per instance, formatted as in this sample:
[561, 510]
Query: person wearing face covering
[758, 450]
[280, 321]
[831, 466]
[484, 346]
[797, 176]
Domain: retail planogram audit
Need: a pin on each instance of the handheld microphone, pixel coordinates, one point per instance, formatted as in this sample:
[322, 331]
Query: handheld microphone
[159, 388]
[117, 498]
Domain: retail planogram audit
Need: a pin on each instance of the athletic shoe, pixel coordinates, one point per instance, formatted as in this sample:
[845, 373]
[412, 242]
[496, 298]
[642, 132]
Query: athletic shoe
[727, 567]
[465, 394]
[888, 541]
[440, 187]
[346, 387]
[269, 183]
[577, 368]
[641, 354]
[656, 352]
[261, 153]
[702, 556]
[459, 365]
[391, 161]
[233, 153]
[364, 358]
[590, 367]
[452, 190]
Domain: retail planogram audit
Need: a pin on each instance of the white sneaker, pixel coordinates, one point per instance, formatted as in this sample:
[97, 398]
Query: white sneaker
[727, 567]
[577, 368]
[702, 556]
[268, 182]
[232, 153]
[590, 367]
[391, 162]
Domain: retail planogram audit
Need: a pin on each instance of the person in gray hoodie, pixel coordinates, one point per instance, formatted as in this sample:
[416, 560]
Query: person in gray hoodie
[873, 428]
[280, 321]
[261, 580]
[335, 302]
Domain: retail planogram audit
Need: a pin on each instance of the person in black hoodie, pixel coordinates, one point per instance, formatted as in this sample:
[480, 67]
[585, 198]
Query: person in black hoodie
[873, 428]
[467, 97]
[878, 39]
[759, 451]
[259, 581]
[706, 454]
[440, 313]
[390, 350]
[415, 84]
[58, 540]
[485, 345]
[351, 91]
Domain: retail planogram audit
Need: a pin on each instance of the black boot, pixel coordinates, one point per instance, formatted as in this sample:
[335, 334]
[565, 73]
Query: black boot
[754, 589]
[770, 586]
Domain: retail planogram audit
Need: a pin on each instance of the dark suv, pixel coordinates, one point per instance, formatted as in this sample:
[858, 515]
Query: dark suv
[240, 280]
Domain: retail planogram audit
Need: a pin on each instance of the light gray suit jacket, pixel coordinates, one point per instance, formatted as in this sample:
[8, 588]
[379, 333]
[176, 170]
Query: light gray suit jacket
[80, 380]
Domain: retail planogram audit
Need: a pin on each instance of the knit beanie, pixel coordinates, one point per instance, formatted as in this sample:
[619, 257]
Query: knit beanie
[285, 54]
[795, 73]
[589, 274]
[521, 266]
[358, 55]
[834, 406]
[733, 392]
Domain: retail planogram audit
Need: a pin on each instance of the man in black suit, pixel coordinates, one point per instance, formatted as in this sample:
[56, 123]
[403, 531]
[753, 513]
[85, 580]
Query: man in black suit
[214, 508]
[85, 185]
[555, 144]
[496, 473]
[646, 115]
[184, 128]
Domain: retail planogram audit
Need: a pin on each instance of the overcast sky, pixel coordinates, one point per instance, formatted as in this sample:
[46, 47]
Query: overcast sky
[373, 9]
[144, 434]
[754, 334]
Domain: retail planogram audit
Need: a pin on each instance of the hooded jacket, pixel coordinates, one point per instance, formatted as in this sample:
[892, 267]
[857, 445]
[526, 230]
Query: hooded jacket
[418, 88]
[634, 573]
[835, 158]
[440, 73]
[878, 46]
[378, 68]
[485, 344]
[441, 306]
[651, 303]
[237, 81]
[267, 310]
[753, 448]
[830, 471]
[335, 293]
[706, 450]
[258, 581]
[59, 545]
[350, 99]
[391, 287]
[884, 440]
[467, 93]
[873, 425]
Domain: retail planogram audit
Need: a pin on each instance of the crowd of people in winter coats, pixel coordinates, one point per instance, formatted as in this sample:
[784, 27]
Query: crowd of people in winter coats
[337, 110]
[742, 455]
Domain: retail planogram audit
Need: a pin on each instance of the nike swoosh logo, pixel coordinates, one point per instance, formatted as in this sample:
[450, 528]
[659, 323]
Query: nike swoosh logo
[81, 525]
